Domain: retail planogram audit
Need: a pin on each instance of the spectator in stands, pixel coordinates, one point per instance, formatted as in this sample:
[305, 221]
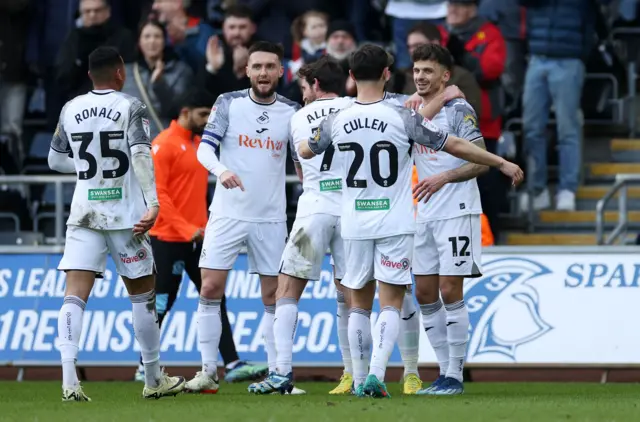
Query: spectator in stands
[428, 33]
[477, 45]
[509, 16]
[274, 18]
[404, 15]
[96, 30]
[309, 40]
[341, 42]
[51, 22]
[227, 58]
[560, 37]
[187, 35]
[14, 26]
[157, 77]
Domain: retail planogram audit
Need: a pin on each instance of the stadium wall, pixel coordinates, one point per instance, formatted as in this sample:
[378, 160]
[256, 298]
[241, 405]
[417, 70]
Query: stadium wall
[537, 313]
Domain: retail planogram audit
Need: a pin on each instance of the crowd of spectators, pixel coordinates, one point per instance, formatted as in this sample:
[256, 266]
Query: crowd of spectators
[513, 58]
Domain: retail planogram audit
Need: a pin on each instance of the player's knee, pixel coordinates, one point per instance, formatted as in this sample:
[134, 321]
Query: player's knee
[451, 289]
[426, 290]
[291, 287]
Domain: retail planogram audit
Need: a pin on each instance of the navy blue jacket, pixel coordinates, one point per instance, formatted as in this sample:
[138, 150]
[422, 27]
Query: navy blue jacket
[561, 28]
[508, 15]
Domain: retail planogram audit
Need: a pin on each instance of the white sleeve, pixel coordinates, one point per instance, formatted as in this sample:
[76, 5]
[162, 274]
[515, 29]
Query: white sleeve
[143, 168]
[61, 162]
[208, 158]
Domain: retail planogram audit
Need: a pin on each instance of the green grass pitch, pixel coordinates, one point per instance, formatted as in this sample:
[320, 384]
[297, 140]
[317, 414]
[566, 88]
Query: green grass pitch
[122, 402]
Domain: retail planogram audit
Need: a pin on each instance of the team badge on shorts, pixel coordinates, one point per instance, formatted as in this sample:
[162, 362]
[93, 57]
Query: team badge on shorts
[141, 254]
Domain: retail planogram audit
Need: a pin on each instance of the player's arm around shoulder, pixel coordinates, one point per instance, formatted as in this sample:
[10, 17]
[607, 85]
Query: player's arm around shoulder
[320, 140]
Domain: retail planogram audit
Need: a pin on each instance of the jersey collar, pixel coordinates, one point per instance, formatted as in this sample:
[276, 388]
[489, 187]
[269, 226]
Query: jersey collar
[180, 131]
[275, 98]
[102, 91]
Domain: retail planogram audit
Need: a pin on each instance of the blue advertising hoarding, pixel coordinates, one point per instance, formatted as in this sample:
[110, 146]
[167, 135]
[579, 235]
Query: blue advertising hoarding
[31, 292]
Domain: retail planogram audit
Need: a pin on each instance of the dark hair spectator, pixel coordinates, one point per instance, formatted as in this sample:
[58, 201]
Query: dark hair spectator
[158, 76]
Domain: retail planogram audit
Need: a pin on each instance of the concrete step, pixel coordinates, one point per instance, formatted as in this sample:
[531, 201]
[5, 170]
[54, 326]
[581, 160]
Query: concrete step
[588, 196]
[625, 150]
[608, 171]
[557, 238]
[583, 219]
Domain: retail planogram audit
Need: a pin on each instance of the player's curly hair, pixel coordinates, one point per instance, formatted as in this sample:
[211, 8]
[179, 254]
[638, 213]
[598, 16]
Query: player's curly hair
[433, 52]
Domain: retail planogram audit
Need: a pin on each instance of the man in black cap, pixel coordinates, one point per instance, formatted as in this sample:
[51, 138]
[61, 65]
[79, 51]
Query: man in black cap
[341, 42]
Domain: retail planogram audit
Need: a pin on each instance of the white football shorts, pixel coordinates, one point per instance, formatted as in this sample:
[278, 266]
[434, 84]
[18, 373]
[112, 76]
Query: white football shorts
[86, 249]
[224, 238]
[310, 238]
[387, 260]
[450, 247]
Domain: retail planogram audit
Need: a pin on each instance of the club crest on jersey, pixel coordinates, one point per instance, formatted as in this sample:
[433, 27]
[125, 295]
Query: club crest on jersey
[503, 293]
[263, 119]
[146, 127]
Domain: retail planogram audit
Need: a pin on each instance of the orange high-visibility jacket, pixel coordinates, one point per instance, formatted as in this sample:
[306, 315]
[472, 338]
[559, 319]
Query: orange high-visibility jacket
[487, 234]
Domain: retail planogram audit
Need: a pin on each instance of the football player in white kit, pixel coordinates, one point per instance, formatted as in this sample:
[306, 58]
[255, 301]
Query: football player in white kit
[377, 207]
[250, 130]
[317, 224]
[448, 243]
[103, 136]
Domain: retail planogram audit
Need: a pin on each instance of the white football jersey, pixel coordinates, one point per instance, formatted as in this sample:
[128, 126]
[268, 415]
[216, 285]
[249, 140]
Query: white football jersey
[253, 140]
[454, 199]
[99, 129]
[321, 175]
[376, 139]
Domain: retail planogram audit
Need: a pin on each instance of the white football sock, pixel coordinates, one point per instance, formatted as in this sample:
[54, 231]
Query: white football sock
[69, 331]
[457, 336]
[409, 337]
[360, 343]
[343, 333]
[209, 332]
[435, 325]
[147, 332]
[385, 335]
[284, 329]
[269, 336]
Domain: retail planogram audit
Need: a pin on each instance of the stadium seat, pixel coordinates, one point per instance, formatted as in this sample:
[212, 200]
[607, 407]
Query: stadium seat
[9, 222]
[49, 195]
[36, 162]
[21, 238]
[45, 222]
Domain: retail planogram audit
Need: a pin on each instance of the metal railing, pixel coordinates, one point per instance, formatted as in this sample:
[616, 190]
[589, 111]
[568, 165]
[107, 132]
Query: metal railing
[58, 181]
[629, 38]
[620, 185]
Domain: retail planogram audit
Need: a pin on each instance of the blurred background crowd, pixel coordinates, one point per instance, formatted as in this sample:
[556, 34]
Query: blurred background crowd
[514, 59]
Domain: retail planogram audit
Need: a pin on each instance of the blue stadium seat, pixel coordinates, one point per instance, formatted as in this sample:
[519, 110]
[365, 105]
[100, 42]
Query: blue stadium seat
[49, 194]
[40, 145]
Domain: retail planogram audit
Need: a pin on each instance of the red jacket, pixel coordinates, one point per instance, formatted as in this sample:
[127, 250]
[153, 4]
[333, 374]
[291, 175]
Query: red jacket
[485, 57]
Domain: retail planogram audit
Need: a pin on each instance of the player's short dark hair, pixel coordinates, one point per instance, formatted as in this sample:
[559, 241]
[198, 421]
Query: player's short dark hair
[429, 30]
[103, 61]
[368, 62]
[433, 52]
[267, 47]
[327, 71]
[196, 98]
[239, 11]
